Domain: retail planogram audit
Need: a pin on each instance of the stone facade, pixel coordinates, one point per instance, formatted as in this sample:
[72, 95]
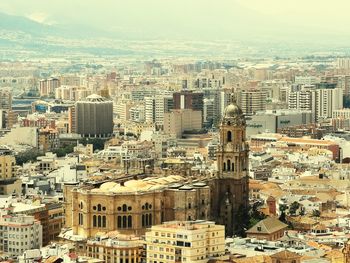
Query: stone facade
[135, 205]
[229, 190]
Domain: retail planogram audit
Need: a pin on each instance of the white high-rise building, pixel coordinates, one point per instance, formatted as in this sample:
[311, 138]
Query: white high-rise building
[322, 102]
[251, 101]
[156, 106]
[343, 63]
[19, 233]
[327, 100]
[150, 109]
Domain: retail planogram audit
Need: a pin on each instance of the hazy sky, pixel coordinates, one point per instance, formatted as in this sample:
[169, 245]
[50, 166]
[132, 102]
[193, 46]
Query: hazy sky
[197, 17]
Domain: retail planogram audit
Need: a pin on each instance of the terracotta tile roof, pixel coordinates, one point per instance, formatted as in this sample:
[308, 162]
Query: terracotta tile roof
[286, 254]
[267, 226]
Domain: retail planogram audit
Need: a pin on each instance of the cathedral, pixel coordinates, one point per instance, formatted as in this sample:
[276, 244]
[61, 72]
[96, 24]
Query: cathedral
[229, 189]
[133, 205]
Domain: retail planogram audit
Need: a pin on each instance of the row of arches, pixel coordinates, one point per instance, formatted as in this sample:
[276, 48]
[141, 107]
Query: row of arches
[228, 166]
[99, 221]
[146, 220]
[124, 221]
[123, 208]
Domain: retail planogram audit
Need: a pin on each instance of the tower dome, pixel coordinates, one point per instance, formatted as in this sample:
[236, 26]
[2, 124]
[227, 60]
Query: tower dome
[233, 115]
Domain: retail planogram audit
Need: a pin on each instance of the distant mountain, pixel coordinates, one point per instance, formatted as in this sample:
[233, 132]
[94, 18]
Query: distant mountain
[23, 24]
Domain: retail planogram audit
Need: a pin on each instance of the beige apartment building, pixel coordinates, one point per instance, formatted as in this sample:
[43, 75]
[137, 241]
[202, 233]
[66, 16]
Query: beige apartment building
[178, 121]
[185, 241]
[7, 164]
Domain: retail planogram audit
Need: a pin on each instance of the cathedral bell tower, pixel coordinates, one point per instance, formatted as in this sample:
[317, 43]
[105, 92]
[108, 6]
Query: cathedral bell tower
[229, 189]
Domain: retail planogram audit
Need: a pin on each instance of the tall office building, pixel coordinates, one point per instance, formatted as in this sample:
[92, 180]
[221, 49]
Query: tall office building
[188, 100]
[47, 87]
[300, 100]
[5, 99]
[209, 112]
[251, 101]
[178, 121]
[150, 109]
[343, 63]
[326, 101]
[321, 101]
[156, 106]
[94, 117]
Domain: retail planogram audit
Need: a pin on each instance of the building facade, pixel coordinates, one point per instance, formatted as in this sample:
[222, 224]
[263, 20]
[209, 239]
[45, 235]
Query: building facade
[94, 117]
[185, 242]
[19, 233]
[134, 205]
[229, 190]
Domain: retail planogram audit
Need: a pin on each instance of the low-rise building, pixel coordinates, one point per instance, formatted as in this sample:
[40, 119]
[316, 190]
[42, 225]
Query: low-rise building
[270, 229]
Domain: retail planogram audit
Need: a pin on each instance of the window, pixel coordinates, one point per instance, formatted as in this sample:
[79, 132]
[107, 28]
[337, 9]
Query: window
[119, 222]
[99, 221]
[124, 221]
[94, 221]
[228, 165]
[229, 136]
[81, 218]
[103, 221]
[129, 221]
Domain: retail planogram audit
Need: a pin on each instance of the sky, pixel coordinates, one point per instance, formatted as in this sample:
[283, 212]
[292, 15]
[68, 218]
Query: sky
[216, 19]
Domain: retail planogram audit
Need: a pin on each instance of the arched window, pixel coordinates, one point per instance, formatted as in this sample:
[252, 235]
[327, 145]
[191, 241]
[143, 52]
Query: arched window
[103, 221]
[146, 221]
[125, 222]
[189, 218]
[233, 166]
[81, 205]
[80, 219]
[229, 136]
[99, 207]
[119, 222]
[150, 219]
[94, 221]
[125, 207]
[228, 165]
[99, 222]
[224, 166]
[129, 221]
[143, 220]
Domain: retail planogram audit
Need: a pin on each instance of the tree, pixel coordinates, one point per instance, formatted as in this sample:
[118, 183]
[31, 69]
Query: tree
[294, 207]
[283, 209]
[97, 143]
[316, 213]
[29, 155]
[63, 151]
[243, 218]
[255, 216]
